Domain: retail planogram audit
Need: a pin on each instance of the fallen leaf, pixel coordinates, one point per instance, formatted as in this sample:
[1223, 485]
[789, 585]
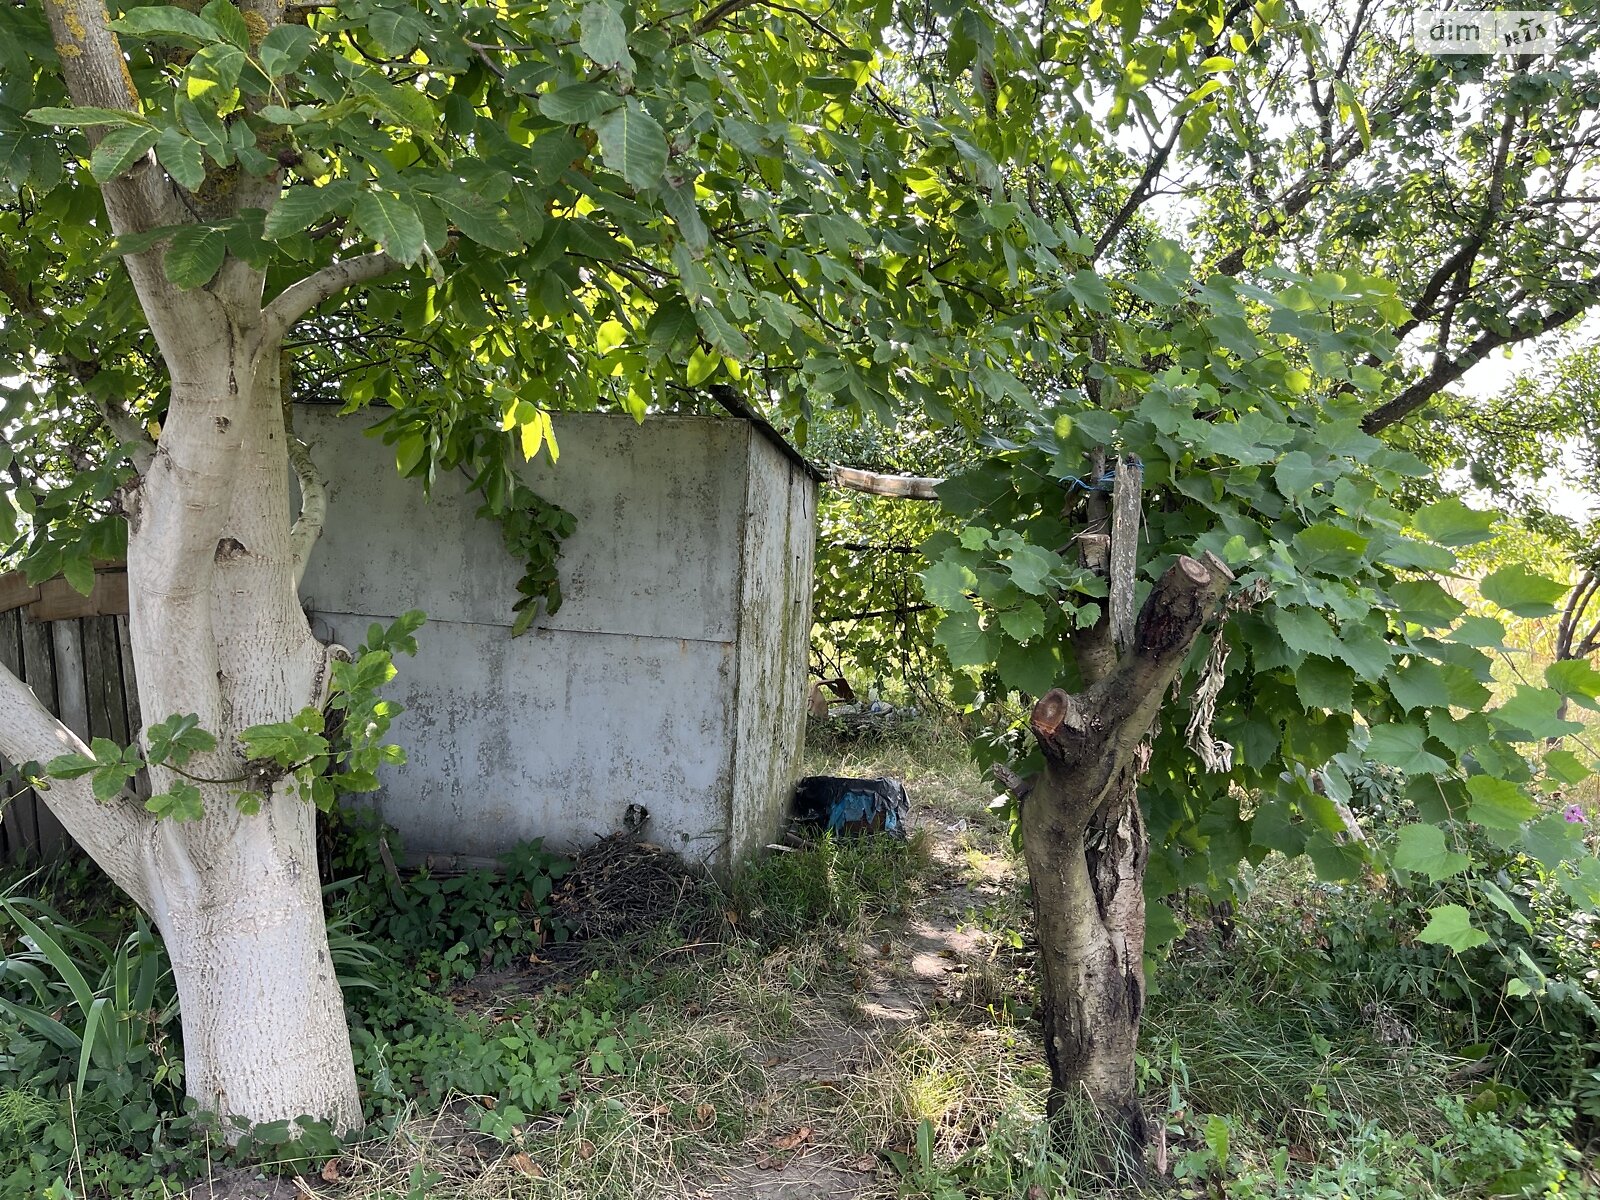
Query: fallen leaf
[526, 1166]
[330, 1171]
[793, 1141]
[705, 1113]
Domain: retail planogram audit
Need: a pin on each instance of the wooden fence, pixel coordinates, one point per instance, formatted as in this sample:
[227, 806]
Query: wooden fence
[73, 651]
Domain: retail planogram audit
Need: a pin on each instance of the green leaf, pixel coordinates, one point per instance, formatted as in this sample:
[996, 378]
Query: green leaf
[392, 223]
[195, 255]
[1565, 767]
[1553, 840]
[1533, 711]
[720, 332]
[408, 453]
[182, 157]
[120, 149]
[1030, 669]
[283, 742]
[70, 766]
[1497, 804]
[165, 22]
[946, 585]
[476, 217]
[1305, 631]
[303, 205]
[1402, 746]
[85, 118]
[1422, 848]
[80, 573]
[1295, 475]
[1450, 925]
[602, 36]
[1575, 679]
[1449, 522]
[681, 207]
[1520, 591]
[207, 127]
[178, 738]
[1504, 903]
[1025, 622]
[180, 802]
[702, 364]
[229, 22]
[1329, 549]
[632, 144]
[1321, 684]
[212, 77]
[1419, 684]
[965, 643]
[579, 103]
[397, 30]
[284, 49]
[1426, 603]
[1031, 568]
[1483, 632]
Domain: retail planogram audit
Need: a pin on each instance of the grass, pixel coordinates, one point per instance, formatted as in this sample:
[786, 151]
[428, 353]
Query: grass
[819, 1033]
[768, 1049]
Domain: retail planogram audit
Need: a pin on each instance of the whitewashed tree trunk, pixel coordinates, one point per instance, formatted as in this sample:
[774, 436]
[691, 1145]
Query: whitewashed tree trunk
[264, 1032]
[216, 628]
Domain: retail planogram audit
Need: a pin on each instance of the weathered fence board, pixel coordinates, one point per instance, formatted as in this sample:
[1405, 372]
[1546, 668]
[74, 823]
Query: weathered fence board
[81, 669]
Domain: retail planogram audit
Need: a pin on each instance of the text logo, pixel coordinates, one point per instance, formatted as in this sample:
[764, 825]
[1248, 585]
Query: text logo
[1468, 31]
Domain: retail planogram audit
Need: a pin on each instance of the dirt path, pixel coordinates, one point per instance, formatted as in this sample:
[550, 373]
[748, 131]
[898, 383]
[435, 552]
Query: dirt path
[909, 969]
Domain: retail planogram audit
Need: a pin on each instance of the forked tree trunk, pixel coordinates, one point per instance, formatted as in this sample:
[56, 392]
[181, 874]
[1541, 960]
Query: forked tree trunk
[214, 557]
[1086, 848]
[216, 628]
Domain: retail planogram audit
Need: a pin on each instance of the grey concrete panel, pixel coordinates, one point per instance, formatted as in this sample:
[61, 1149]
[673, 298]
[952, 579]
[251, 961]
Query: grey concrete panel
[673, 676]
[658, 509]
[553, 735]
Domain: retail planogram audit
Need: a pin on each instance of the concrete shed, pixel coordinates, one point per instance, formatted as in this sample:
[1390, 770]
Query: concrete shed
[672, 677]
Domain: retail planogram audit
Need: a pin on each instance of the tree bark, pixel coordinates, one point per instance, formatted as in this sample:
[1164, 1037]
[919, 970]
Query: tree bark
[264, 1030]
[216, 629]
[1086, 848]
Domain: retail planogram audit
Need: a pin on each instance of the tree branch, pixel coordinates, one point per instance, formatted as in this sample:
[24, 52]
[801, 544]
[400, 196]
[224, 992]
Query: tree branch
[113, 833]
[1446, 371]
[1087, 739]
[898, 487]
[296, 300]
[307, 528]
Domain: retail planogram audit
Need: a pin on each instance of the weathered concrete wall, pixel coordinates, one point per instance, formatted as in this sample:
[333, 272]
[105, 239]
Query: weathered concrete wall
[774, 639]
[635, 691]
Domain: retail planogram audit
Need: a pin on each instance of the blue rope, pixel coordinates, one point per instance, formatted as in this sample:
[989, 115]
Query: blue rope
[1106, 482]
[1103, 484]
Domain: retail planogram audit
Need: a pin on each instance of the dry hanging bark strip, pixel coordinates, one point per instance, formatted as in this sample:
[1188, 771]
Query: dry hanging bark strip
[1215, 754]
